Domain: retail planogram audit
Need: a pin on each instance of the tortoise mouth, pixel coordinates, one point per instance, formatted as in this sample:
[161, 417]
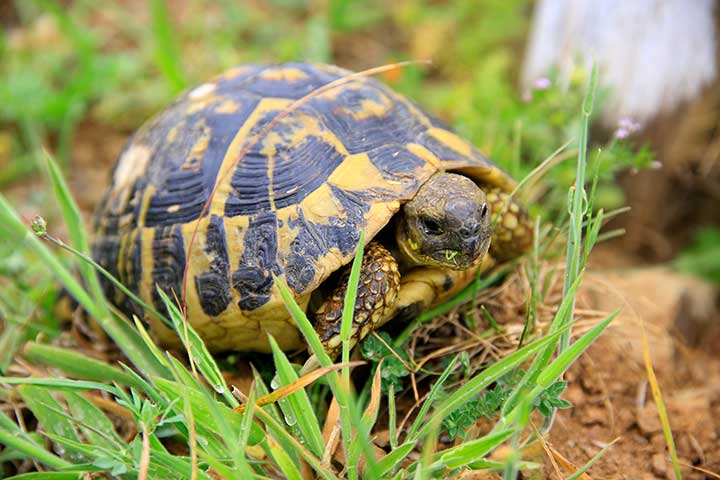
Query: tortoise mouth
[443, 258]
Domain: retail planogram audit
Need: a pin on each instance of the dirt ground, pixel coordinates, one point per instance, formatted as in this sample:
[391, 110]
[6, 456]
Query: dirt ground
[609, 387]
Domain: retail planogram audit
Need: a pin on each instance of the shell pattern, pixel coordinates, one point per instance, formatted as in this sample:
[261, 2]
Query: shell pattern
[289, 202]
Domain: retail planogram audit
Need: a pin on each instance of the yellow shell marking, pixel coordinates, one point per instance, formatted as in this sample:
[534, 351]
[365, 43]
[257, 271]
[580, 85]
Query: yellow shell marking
[425, 154]
[132, 165]
[283, 74]
[357, 172]
[235, 72]
[452, 141]
[228, 106]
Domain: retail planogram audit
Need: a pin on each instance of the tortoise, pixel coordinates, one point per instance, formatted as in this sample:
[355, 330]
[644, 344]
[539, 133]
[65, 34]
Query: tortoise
[290, 185]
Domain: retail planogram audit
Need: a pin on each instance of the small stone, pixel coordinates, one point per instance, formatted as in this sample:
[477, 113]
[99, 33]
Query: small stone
[659, 465]
[648, 420]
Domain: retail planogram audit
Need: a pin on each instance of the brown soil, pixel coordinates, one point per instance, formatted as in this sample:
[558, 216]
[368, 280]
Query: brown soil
[609, 387]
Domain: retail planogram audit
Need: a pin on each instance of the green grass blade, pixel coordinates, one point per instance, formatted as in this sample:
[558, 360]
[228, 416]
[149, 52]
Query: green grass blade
[23, 444]
[574, 247]
[392, 460]
[74, 224]
[303, 324]
[77, 365]
[278, 431]
[290, 469]
[12, 227]
[158, 355]
[595, 458]
[59, 384]
[480, 381]
[349, 305]
[553, 371]
[544, 357]
[298, 403]
[431, 398]
[199, 353]
[469, 452]
[346, 325]
[97, 428]
[349, 415]
[45, 408]
[392, 418]
[131, 344]
[47, 476]
[201, 410]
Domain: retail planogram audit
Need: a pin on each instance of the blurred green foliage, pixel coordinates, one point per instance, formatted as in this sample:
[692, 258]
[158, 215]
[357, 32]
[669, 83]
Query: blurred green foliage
[117, 63]
[702, 256]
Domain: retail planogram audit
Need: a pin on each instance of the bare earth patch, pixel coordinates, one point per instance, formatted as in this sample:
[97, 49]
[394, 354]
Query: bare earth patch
[609, 389]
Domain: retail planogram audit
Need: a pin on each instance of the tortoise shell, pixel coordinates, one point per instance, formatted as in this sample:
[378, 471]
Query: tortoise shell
[290, 199]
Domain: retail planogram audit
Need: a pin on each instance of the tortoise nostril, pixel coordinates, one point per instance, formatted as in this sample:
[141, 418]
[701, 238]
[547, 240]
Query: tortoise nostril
[470, 231]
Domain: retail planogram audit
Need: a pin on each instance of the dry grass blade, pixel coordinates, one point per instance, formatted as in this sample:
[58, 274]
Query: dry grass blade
[145, 454]
[551, 453]
[297, 385]
[702, 470]
[331, 431]
[567, 464]
[375, 394]
[660, 404]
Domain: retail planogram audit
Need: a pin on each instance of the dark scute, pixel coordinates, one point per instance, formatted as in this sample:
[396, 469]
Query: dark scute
[132, 279]
[105, 251]
[305, 250]
[249, 182]
[398, 126]
[344, 233]
[213, 286]
[213, 291]
[168, 252]
[396, 163]
[313, 161]
[298, 170]
[253, 278]
[444, 153]
[440, 149]
[315, 240]
[180, 187]
[178, 178]
[288, 89]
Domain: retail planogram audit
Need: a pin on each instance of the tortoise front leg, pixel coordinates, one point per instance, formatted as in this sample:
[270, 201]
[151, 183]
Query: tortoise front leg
[377, 290]
[512, 226]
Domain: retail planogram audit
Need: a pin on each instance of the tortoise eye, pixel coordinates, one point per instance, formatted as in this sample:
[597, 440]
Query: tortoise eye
[431, 226]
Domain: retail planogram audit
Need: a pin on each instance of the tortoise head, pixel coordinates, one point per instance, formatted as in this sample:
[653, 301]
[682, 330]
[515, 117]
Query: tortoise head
[447, 224]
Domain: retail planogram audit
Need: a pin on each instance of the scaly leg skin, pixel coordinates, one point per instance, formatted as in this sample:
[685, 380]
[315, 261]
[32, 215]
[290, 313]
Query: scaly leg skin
[377, 290]
[512, 226]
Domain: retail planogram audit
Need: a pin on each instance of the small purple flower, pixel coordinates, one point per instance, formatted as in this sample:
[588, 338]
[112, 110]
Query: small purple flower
[621, 133]
[542, 83]
[626, 127]
[629, 125]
